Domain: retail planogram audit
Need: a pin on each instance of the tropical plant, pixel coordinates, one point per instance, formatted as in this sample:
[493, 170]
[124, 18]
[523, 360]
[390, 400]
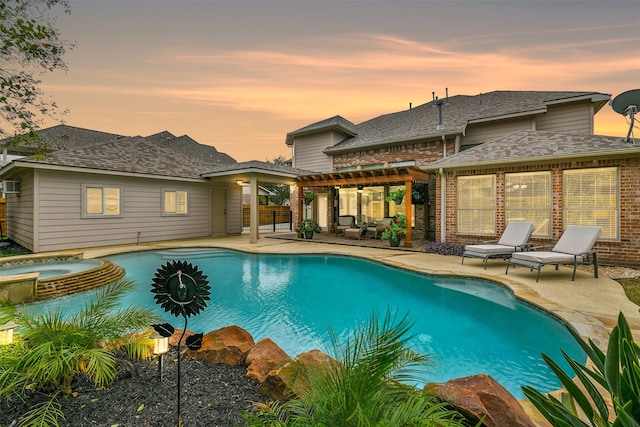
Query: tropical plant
[51, 349]
[396, 229]
[396, 195]
[308, 226]
[367, 386]
[617, 373]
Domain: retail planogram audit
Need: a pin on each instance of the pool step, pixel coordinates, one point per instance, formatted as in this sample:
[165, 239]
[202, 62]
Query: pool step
[191, 254]
[79, 282]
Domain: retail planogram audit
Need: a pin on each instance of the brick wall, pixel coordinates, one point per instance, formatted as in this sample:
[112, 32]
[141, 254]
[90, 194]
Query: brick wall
[421, 153]
[625, 251]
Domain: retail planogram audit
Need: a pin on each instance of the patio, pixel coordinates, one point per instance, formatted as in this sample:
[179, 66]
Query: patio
[330, 238]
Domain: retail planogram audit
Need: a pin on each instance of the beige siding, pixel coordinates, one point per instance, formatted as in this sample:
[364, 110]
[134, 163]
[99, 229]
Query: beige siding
[62, 226]
[575, 118]
[20, 224]
[485, 132]
[308, 151]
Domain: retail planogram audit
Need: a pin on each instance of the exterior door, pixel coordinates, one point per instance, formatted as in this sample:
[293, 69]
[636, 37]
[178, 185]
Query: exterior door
[218, 210]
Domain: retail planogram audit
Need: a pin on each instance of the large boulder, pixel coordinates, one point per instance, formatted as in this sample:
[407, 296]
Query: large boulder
[173, 339]
[480, 397]
[263, 358]
[228, 345]
[283, 383]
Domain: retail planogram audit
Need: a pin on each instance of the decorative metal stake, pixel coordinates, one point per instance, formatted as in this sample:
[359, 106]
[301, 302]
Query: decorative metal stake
[182, 289]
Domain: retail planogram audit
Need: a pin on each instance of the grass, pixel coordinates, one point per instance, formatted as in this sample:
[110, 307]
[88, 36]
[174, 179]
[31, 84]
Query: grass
[631, 288]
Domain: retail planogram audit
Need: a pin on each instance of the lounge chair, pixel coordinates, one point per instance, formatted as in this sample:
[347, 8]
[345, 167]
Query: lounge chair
[574, 247]
[344, 222]
[514, 238]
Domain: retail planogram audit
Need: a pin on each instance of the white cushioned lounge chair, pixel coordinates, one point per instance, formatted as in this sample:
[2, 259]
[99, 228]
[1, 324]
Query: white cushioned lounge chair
[514, 238]
[574, 247]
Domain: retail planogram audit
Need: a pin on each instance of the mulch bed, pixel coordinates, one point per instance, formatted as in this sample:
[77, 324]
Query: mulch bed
[211, 396]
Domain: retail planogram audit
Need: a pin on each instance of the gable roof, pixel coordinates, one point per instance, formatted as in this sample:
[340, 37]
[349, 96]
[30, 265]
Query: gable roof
[135, 155]
[421, 122]
[65, 137]
[255, 166]
[190, 147]
[336, 123]
[531, 146]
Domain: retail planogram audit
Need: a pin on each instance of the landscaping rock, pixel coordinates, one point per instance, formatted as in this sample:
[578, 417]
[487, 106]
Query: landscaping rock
[263, 358]
[480, 397]
[173, 339]
[283, 384]
[228, 345]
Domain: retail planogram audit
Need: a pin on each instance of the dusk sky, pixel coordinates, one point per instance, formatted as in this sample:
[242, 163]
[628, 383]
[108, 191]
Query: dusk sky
[239, 75]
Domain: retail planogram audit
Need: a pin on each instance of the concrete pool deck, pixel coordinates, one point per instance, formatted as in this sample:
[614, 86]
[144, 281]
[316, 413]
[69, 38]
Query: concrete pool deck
[591, 306]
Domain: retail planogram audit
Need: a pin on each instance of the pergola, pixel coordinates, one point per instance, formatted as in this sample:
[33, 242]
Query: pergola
[401, 175]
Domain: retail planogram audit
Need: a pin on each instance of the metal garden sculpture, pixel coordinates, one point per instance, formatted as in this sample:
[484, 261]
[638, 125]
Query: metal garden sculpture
[182, 289]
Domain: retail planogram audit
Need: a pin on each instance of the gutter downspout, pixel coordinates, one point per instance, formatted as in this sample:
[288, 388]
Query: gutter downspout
[444, 147]
[443, 195]
[443, 205]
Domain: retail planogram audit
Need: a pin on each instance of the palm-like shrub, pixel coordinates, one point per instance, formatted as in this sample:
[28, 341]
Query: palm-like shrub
[616, 373]
[52, 349]
[367, 386]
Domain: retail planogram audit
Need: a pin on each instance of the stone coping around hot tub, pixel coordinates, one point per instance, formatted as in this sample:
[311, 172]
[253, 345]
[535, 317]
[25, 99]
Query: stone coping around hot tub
[19, 288]
[19, 260]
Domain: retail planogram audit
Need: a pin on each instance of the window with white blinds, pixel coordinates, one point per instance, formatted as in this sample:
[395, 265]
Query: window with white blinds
[175, 202]
[590, 197]
[476, 199]
[527, 197]
[101, 201]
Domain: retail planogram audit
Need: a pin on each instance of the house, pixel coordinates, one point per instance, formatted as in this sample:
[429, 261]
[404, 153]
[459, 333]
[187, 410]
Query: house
[96, 189]
[480, 161]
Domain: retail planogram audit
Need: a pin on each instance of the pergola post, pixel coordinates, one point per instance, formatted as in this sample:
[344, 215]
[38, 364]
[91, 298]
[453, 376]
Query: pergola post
[408, 238]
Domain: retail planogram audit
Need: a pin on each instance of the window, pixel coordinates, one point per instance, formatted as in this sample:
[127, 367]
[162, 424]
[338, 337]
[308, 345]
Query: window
[175, 202]
[348, 201]
[528, 198]
[590, 197]
[102, 201]
[372, 204]
[477, 204]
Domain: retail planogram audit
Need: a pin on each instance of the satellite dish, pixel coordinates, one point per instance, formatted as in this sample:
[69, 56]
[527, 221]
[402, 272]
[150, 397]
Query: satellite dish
[627, 104]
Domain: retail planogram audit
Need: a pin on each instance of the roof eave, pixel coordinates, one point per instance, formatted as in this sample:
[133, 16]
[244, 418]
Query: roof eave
[509, 116]
[491, 163]
[250, 170]
[45, 166]
[382, 144]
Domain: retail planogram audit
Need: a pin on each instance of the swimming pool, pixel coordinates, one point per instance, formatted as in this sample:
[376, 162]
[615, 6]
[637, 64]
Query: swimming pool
[466, 326]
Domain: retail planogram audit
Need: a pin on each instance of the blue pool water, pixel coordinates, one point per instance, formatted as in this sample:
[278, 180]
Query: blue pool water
[465, 326]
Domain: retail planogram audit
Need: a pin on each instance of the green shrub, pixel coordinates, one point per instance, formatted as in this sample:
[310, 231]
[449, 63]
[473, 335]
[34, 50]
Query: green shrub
[367, 387]
[50, 349]
[617, 372]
